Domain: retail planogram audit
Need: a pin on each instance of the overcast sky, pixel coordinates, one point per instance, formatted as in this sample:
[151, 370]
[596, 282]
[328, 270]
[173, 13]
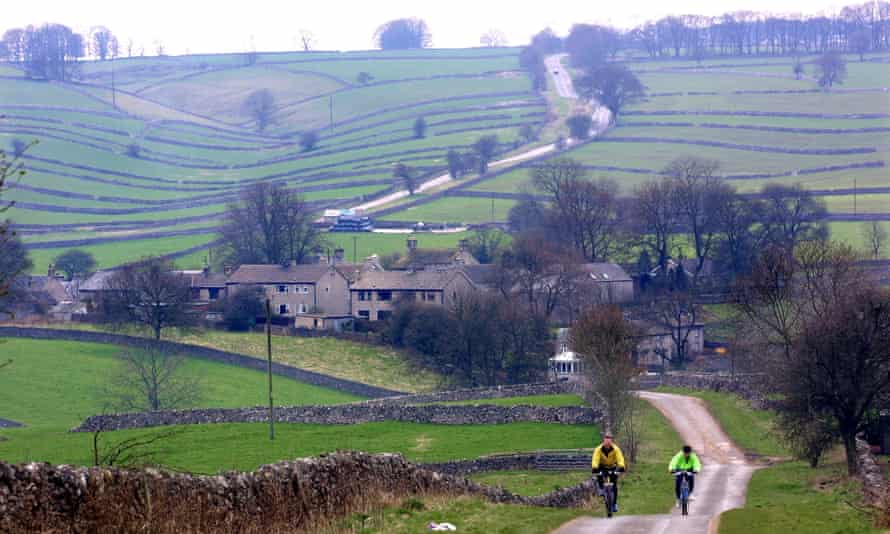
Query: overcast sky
[227, 26]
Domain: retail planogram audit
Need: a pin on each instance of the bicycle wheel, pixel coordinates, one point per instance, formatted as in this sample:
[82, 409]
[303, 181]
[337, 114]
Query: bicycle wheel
[684, 499]
[609, 500]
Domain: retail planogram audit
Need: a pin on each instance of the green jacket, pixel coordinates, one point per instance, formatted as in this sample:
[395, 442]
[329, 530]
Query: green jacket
[681, 463]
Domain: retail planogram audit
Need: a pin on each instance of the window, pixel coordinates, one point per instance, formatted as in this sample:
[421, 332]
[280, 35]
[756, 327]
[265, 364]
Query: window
[364, 295]
[282, 290]
[283, 309]
[304, 290]
[384, 295]
[430, 296]
[302, 308]
[383, 315]
[214, 293]
[364, 314]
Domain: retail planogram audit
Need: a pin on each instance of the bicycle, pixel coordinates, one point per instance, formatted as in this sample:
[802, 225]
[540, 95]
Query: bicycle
[684, 490]
[608, 489]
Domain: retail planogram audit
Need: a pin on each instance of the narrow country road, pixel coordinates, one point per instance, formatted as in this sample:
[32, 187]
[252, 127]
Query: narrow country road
[561, 78]
[720, 486]
[566, 89]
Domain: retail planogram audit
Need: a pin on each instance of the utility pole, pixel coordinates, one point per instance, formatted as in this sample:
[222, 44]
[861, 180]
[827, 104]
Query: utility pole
[492, 208]
[269, 354]
[354, 248]
[854, 196]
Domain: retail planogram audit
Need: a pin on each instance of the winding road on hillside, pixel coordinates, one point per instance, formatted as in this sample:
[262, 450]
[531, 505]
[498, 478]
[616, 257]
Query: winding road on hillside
[562, 80]
[720, 486]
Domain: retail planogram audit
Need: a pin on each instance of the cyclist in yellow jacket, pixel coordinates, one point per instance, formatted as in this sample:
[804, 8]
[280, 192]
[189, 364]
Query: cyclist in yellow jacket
[608, 457]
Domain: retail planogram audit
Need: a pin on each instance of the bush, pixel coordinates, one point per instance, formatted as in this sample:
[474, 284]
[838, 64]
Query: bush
[133, 150]
[420, 128]
[579, 126]
[242, 308]
[308, 141]
[364, 78]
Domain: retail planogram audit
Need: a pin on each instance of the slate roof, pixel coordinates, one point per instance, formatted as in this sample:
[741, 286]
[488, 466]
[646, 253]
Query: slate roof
[606, 272]
[482, 275]
[423, 257]
[207, 280]
[405, 280]
[96, 282]
[276, 274]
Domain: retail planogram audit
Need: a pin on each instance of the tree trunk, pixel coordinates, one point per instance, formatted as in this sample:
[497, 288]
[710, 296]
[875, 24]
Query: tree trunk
[850, 449]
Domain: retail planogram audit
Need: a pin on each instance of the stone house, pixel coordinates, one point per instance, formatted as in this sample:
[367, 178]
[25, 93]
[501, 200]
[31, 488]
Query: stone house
[375, 294]
[90, 290]
[295, 290]
[206, 287]
[421, 259]
[606, 283]
[39, 295]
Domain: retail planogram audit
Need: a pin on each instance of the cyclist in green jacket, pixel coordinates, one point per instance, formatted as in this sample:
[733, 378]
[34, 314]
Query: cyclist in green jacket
[685, 460]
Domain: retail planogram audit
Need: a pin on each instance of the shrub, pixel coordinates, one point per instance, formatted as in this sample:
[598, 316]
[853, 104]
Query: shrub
[308, 141]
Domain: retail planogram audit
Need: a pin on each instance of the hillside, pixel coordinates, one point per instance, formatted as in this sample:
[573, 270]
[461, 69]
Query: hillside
[149, 167]
[88, 187]
[751, 115]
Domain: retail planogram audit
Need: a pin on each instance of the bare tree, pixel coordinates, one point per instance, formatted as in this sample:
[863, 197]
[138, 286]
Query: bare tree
[407, 176]
[584, 213]
[612, 85]
[485, 148]
[699, 197]
[606, 342]
[13, 255]
[401, 34]
[841, 364]
[541, 272]
[677, 312]
[831, 69]
[860, 42]
[103, 42]
[493, 39]
[153, 379]
[150, 294]
[792, 215]
[654, 216]
[260, 105]
[797, 68]
[875, 235]
[137, 451]
[270, 224]
[307, 40]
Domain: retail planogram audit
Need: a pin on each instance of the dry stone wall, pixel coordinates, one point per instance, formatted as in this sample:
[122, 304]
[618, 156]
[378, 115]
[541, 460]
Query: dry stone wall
[296, 496]
[349, 414]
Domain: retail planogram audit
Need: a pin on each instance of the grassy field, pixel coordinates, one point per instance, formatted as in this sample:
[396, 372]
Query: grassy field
[370, 364]
[456, 209]
[51, 386]
[788, 496]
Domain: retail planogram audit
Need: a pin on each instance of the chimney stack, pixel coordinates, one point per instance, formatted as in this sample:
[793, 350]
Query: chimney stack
[51, 271]
[412, 244]
[463, 245]
[339, 255]
[227, 270]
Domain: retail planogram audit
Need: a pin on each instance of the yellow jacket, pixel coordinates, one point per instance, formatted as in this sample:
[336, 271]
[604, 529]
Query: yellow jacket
[614, 458]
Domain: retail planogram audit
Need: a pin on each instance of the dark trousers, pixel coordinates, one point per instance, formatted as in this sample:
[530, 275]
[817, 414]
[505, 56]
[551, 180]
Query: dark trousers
[600, 476]
[679, 480]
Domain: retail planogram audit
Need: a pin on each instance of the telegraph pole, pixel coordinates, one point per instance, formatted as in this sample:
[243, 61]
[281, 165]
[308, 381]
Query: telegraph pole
[854, 196]
[354, 248]
[269, 354]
